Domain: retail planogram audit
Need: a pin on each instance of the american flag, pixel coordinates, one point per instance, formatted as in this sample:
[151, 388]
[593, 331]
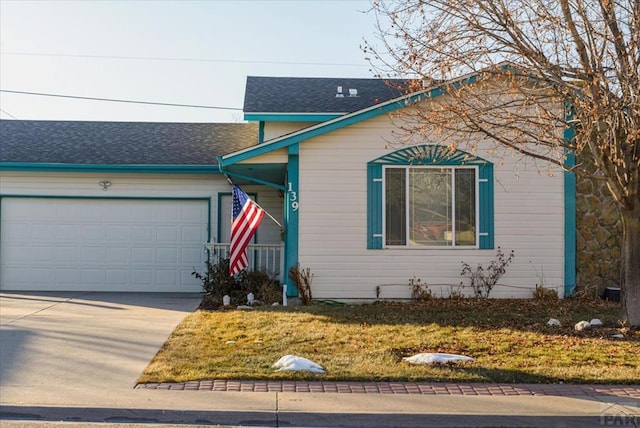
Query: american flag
[247, 216]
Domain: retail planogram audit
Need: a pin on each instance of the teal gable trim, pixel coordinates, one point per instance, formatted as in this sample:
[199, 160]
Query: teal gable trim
[291, 117]
[429, 154]
[63, 167]
[291, 212]
[323, 128]
[570, 232]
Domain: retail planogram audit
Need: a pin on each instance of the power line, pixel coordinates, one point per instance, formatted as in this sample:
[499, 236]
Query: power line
[8, 114]
[118, 100]
[230, 61]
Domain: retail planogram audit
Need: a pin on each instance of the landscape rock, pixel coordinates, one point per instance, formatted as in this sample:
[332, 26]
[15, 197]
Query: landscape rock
[582, 325]
[595, 323]
[553, 322]
[245, 308]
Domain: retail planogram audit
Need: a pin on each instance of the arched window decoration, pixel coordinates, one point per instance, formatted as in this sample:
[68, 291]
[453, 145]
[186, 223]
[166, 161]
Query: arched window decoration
[430, 196]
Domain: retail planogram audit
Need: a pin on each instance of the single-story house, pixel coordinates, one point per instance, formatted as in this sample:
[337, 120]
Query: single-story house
[128, 206]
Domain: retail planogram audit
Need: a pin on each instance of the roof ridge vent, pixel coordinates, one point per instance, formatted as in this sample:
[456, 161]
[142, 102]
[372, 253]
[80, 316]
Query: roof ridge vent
[339, 94]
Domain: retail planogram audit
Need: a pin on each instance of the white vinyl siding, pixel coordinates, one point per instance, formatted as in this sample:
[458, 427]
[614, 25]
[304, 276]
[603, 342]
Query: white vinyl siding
[277, 129]
[529, 218]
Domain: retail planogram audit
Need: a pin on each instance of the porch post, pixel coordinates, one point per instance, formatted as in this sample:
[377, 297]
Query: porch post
[292, 206]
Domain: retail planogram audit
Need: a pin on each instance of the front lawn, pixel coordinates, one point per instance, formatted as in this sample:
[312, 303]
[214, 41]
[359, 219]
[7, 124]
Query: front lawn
[509, 340]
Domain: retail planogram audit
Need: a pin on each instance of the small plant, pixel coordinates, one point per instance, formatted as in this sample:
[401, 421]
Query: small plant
[483, 280]
[456, 294]
[419, 292]
[302, 279]
[544, 294]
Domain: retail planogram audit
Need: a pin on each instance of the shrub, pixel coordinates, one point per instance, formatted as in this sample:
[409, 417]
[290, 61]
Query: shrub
[419, 292]
[544, 294]
[217, 282]
[483, 280]
[302, 279]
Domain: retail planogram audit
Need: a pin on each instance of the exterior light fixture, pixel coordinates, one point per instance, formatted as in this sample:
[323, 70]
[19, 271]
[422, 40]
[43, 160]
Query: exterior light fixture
[105, 184]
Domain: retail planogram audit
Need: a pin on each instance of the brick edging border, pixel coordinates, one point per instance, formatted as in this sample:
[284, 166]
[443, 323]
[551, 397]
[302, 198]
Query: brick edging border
[488, 389]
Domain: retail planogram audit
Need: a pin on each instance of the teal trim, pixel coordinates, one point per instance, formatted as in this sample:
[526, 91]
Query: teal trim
[253, 179]
[291, 243]
[486, 222]
[261, 132]
[291, 117]
[570, 229]
[374, 206]
[430, 154]
[63, 167]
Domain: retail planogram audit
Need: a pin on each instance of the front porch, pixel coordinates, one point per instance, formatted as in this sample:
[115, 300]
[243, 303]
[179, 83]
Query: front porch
[268, 258]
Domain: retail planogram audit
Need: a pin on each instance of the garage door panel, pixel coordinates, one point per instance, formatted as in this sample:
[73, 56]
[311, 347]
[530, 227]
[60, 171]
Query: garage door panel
[167, 256]
[142, 233]
[101, 244]
[117, 255]
[118, 233]
[93, 232]
[45, 232]
[167, 233]
[92, 276]
[68, 232]
[118, 277]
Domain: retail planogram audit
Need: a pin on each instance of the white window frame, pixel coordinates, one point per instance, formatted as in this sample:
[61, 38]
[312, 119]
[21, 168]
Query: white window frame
[453, 245]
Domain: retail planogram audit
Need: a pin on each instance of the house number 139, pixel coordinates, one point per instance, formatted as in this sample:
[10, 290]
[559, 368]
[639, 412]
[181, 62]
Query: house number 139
[293, 198]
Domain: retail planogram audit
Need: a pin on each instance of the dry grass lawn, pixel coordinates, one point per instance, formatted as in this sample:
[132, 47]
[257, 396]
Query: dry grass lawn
[509, 340]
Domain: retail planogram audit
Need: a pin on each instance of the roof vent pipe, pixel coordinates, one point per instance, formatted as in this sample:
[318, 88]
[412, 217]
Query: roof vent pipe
[339, 94]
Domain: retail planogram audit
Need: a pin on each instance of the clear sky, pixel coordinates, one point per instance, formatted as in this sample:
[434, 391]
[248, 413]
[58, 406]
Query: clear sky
[184, 52]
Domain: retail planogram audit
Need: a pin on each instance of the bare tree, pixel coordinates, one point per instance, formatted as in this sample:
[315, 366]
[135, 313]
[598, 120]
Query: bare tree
[558, 64]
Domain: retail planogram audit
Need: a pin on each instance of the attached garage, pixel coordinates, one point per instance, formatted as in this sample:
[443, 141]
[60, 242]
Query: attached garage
[101, 244]
[110, 206]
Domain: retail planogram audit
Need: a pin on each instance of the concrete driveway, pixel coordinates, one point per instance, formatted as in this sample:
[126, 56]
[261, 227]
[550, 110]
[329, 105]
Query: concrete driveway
[65, 344]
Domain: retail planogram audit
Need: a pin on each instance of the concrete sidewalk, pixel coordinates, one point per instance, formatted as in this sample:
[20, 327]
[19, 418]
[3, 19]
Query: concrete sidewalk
[72, 359]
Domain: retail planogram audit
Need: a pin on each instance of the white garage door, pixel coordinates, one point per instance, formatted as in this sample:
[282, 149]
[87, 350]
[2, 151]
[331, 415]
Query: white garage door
[101, 244]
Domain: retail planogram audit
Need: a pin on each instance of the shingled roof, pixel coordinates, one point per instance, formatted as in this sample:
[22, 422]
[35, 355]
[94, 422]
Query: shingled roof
[317, 95]
[121, 143]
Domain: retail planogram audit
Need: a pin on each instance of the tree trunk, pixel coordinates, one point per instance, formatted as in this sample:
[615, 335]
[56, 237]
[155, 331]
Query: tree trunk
[631, 266]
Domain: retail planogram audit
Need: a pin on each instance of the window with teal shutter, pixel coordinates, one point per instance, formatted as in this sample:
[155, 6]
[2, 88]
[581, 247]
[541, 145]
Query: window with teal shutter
[429, 196]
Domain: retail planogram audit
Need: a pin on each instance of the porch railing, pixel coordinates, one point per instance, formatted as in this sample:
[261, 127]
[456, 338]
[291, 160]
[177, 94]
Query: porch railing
[266, 257]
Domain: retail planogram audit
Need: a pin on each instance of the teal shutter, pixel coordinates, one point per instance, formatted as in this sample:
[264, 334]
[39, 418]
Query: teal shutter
[374, 206]
[485, 197]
